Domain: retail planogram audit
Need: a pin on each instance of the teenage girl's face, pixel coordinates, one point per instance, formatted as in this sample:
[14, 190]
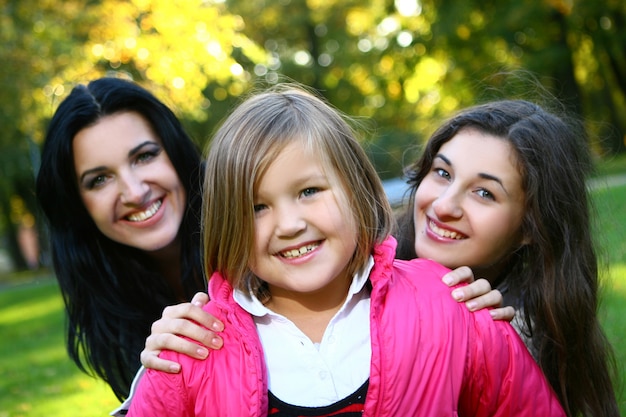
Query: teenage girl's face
[303, 239]
[127, 182]
[469, 208]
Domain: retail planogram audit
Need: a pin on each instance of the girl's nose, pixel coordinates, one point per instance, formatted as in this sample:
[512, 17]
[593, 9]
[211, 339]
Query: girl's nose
[289, 221]
[448, 205]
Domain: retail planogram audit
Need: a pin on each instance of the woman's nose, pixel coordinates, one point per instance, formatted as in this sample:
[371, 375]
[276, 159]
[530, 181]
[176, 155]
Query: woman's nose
[448, 205]
[133, 190]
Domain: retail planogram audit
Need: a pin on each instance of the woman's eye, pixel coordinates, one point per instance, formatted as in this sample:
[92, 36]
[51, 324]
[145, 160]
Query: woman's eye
[485, 194]
[96, 181]
[442, 173]
[147, 156]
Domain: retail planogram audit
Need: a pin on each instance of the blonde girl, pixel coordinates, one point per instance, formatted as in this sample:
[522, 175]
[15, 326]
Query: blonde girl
[319, 317]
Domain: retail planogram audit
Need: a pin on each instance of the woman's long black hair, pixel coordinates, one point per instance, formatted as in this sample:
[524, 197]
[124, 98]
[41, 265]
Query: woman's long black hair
[111, 292]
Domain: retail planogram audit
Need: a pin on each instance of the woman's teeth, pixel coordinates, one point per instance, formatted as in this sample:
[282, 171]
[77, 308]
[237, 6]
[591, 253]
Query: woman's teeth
[445, 233]
[294, 253]
[146, 214]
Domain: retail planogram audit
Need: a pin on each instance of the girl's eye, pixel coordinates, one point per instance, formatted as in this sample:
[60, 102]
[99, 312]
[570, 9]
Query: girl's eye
[442, 173]
[486, 194]
[259, 207]
[307, 192]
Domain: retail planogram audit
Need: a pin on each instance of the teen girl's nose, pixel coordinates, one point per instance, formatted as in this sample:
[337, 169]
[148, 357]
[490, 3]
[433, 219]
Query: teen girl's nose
[133, 190]
[448, 205]
[288, 220]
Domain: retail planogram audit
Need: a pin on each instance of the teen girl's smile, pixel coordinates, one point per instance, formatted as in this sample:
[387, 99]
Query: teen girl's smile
[127, 182]
[304, 238]
[469, 208]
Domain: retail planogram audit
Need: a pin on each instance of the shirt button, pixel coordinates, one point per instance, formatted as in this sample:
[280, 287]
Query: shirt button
[331, 339]
[323, 374]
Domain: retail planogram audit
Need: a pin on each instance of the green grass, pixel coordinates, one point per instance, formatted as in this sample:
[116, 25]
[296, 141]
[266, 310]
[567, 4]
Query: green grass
[611, 236]
[37, 379]
[611, 165]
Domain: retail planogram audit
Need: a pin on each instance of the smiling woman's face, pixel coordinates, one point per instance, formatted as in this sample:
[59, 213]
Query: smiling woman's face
[469, 207]
[127, 182]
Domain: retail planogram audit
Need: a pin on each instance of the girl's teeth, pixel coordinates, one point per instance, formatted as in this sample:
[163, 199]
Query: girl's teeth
[294, 253]
[446, 233]
[146, 214]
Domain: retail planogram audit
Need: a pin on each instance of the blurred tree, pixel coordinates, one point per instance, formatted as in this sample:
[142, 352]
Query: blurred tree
[23, 73]
[600, 49]
[574, 47]
[407, 63]
[398, 65]
[175, 48]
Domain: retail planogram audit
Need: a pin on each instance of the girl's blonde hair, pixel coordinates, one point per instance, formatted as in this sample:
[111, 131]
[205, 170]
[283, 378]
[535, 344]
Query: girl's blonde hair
[246, 144]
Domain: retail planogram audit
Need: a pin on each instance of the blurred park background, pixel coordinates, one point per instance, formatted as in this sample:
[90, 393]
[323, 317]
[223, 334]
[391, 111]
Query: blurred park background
[401, 66]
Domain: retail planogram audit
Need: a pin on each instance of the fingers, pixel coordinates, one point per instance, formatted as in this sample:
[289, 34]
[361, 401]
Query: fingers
[477, 289]
[151, 360]
[461, 274]
[166, 335]
[478, 295]
[503, 313]
[157, 342]
[181, 330]
[193, 311]
[167, 332]
[200, 299]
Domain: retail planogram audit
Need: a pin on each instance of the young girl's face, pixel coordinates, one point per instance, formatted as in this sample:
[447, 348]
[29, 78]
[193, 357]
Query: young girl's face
[469, 208]
[303, 238]
[127, 182]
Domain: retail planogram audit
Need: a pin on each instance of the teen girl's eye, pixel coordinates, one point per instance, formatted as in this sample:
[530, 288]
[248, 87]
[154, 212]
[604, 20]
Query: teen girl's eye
[486, 194]
[440, 172]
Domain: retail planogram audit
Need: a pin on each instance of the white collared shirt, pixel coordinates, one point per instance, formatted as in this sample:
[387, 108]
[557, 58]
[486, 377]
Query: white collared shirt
[307, 374]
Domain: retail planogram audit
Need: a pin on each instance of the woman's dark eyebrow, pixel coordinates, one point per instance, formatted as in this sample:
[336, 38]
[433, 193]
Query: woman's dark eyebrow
[137, 148]
[480, 174]
[132, 152]
[443, 158]
[494, 179]
[89, 172]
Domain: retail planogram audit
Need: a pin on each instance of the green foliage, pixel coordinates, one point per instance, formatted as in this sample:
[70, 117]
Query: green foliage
[404, 64]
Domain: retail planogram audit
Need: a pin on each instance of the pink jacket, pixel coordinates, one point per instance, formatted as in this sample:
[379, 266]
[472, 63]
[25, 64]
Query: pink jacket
[430, 357]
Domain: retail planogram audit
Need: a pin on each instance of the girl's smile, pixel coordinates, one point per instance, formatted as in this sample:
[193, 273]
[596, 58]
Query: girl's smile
[299, 251]
[441, 231]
